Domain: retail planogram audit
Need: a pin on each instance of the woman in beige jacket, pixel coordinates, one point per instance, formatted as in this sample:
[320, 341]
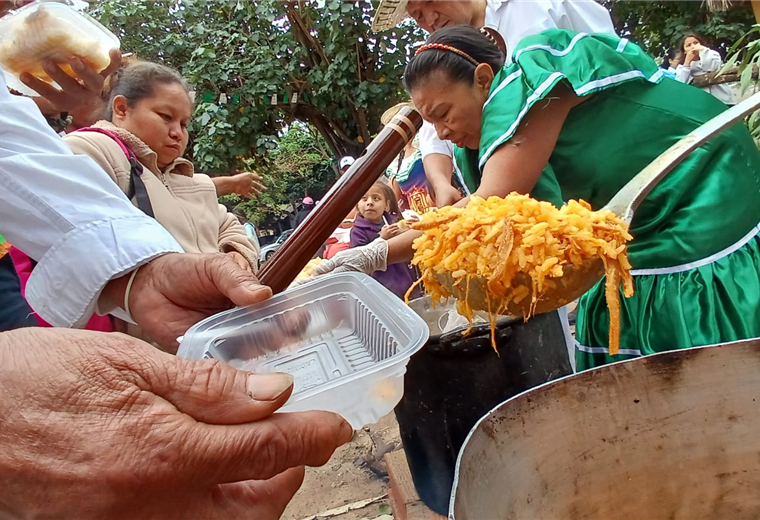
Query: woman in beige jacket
[147, 114]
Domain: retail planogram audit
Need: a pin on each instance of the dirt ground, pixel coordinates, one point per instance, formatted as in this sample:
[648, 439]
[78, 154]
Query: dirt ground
[355, 473]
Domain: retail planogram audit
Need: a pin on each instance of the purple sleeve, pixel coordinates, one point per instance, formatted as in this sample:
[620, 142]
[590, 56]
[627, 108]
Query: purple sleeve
[358, 237]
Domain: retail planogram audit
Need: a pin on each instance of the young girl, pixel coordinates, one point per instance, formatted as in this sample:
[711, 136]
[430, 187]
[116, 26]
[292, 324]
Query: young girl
[698, 60]
[140, 145]
[378, 216]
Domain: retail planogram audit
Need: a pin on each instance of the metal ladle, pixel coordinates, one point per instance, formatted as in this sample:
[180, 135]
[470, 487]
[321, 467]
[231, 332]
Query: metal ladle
[577, 280]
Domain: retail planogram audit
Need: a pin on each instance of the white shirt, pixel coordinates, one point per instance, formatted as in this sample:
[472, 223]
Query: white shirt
[64, 211]
[709, 61]
[517, 19]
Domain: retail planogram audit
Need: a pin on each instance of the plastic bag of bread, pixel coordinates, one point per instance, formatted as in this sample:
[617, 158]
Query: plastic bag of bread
[51, 31]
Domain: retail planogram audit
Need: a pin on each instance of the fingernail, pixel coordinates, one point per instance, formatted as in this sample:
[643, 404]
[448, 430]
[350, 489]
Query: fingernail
[77, 65]
[256, 287]
[25, 77]
[48, 66]
[268, 387]
[347, 431]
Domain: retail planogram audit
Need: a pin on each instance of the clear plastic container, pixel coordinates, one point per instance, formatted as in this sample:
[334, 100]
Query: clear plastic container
[55, 31]
[345, 338]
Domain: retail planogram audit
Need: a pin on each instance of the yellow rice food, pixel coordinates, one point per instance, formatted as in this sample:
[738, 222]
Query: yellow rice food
[44, 36]
[498, 239]
[306, 271]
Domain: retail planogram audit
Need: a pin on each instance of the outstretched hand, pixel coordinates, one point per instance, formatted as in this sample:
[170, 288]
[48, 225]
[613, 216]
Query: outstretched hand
[177, 290]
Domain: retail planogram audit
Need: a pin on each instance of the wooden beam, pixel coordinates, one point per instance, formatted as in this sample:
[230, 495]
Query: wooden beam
[728, 77]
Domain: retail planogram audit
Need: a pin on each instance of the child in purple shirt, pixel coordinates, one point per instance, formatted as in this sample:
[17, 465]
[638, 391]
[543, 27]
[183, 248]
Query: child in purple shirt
[378, 216]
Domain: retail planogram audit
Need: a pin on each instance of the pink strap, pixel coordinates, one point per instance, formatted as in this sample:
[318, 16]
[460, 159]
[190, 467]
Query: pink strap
[113, 136]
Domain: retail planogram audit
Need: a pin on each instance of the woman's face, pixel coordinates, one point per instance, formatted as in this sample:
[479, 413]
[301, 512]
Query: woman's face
[691, 43]
[160, 121]
[453, 107]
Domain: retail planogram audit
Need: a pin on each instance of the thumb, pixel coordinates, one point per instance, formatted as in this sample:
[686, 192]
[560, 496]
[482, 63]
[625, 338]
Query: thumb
[238, 284]
[214, 392]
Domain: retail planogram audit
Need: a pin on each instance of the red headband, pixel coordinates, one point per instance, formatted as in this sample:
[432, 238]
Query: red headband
[444, 47]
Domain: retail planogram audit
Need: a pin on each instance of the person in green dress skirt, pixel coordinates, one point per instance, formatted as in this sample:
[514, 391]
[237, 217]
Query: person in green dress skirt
[576, 116]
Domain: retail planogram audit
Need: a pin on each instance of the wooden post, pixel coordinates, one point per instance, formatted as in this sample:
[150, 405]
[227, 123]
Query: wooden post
[306, 240]
[756, 9]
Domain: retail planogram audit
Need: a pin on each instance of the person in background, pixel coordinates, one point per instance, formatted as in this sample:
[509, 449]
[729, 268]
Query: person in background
[83, 411]
[512, 20]
[140, 145]
[699, 60]
[407, 175]
[345, 163]
[670, 63]
[340, 240]
[378, 217]
[307, 206]
[250, 229]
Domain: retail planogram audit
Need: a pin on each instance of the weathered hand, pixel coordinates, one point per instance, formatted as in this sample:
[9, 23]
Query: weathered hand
[96, 425]
[240, 260]
[177, 290]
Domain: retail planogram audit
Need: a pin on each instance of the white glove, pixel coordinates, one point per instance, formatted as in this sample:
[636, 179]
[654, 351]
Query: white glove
[364, 259]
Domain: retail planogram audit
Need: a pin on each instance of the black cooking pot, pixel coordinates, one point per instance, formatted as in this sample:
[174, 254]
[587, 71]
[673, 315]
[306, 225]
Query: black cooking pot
[454, 380]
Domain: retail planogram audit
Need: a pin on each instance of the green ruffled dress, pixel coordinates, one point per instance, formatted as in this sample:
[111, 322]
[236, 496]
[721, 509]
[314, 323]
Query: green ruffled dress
[695, 249]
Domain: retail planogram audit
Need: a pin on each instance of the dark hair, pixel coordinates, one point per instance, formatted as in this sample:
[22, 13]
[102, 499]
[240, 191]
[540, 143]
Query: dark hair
[458, 68]
[698, 37]
[136, 80]
[669, 56]
[389, 196]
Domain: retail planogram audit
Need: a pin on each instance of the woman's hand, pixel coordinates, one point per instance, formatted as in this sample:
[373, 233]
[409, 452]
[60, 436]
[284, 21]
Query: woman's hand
[240, 260]
[446, 195]
[389, 231]
[692, 55]
[80, 96]
[246, 184]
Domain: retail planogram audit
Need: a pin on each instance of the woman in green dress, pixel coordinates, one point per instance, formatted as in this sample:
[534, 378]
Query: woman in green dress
[576, 116]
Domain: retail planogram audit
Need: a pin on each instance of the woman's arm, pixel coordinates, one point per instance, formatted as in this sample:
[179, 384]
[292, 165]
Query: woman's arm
[233, 238]
[683, 73]
[517, 164]
[709, 61]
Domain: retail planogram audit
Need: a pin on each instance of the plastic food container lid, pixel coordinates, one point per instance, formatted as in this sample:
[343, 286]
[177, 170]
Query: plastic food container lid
[50, 30]
[345, 338]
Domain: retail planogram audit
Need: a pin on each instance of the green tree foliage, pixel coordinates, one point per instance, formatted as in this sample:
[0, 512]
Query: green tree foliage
[299, 166]
[658, 26]
[320, 58]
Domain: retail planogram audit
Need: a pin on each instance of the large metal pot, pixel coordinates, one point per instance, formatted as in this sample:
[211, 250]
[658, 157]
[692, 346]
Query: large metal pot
[453, 381]
[668, 436]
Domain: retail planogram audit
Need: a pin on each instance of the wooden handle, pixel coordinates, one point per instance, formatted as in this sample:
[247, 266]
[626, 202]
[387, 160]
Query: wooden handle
[280, 271]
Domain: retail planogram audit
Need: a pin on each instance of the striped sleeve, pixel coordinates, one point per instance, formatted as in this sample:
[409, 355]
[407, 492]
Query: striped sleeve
[587, 63]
